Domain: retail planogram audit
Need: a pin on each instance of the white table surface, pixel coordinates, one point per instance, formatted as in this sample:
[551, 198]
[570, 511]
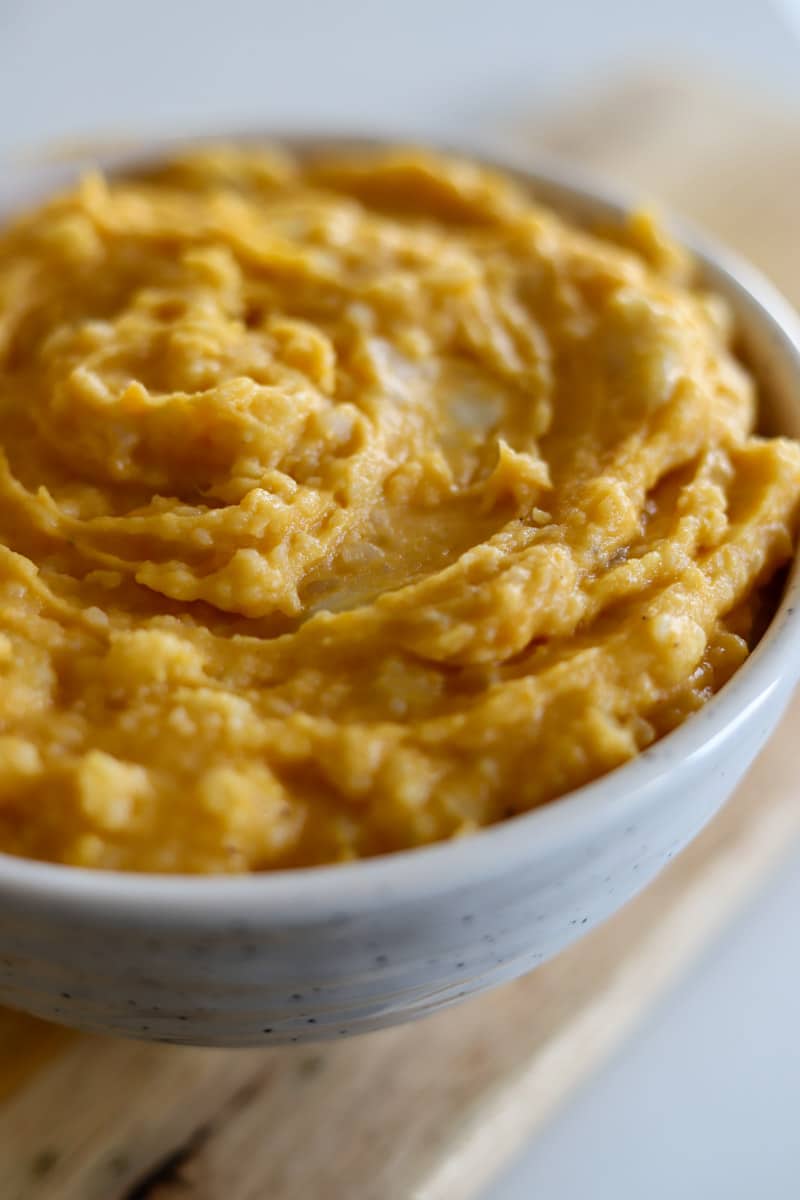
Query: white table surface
[704, 1102]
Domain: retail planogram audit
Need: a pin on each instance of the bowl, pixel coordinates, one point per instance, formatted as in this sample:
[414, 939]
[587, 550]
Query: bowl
[326, 952]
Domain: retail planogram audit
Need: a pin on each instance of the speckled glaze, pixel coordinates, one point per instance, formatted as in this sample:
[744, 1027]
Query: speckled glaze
[332, 951]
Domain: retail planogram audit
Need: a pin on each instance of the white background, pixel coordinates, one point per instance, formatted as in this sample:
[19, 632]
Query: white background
[704, 1102]
[72, 66]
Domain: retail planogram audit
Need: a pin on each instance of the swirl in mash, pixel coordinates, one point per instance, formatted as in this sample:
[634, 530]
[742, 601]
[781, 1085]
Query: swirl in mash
[353, 504]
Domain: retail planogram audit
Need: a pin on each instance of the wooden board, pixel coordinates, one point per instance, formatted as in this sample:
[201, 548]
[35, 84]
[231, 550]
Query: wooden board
[431, 1111]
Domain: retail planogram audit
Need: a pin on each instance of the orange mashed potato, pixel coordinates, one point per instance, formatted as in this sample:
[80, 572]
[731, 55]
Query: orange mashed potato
[351, 505]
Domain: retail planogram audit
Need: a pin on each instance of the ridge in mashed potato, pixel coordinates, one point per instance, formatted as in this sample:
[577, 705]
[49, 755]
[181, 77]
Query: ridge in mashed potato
[352, 504]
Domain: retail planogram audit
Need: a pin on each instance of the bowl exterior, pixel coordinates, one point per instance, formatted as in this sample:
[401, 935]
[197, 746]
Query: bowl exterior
[267, 978]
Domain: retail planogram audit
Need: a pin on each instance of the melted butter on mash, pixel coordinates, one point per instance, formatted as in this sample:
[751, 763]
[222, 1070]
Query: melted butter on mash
[354, 504]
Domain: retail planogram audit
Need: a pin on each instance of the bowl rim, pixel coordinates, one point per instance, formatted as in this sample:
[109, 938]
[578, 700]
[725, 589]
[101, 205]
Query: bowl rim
[407, 876]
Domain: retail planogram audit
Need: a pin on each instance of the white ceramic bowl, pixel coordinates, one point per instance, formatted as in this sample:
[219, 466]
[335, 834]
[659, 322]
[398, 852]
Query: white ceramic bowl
[330, 951]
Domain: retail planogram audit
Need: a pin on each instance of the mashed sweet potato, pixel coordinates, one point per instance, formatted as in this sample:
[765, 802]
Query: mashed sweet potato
[353, 504]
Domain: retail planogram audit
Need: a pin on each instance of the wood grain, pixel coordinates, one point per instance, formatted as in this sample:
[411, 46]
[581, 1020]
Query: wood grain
[431, 1111]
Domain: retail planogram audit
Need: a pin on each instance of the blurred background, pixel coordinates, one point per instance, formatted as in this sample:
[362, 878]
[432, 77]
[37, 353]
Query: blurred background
[162, 65]
[704, 1101]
